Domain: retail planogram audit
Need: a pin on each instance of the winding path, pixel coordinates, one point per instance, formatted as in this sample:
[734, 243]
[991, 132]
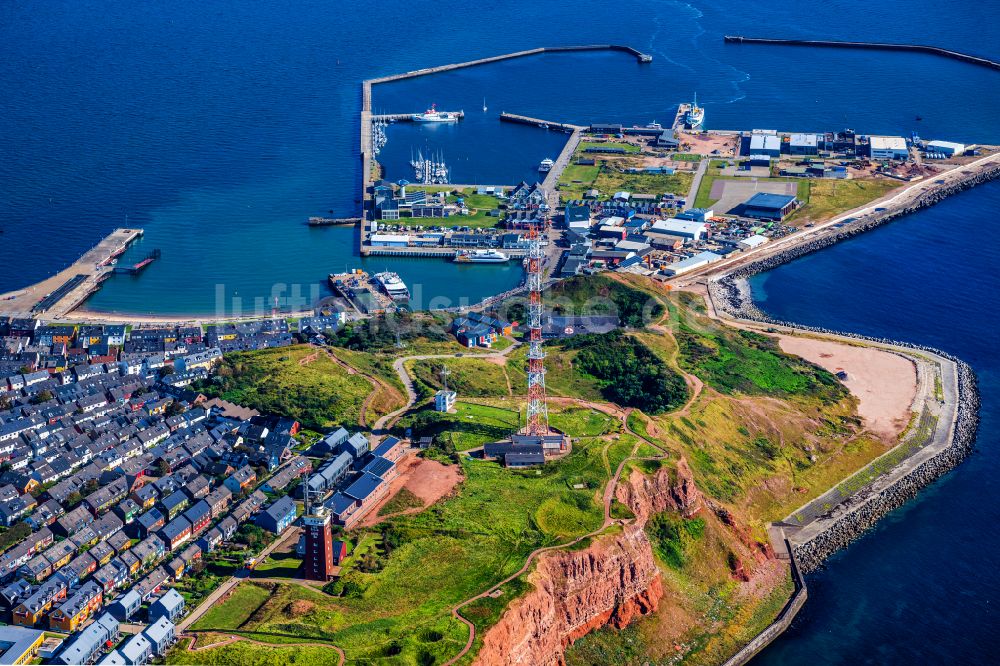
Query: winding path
[399, 365]
[609, 495]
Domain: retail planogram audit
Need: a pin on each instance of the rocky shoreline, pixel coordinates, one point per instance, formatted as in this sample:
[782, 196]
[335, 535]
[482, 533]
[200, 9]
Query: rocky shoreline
[730, 294]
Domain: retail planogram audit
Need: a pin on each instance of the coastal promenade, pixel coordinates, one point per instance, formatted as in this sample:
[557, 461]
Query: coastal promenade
[938, 437]
[897, 202]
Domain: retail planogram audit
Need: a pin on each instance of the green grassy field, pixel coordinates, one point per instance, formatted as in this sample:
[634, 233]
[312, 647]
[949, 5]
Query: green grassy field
[401, 501]
[429, 561]
[562, 377]
[821, 198]
[629, 147]
[236, 610]
[470, 426]
[577, 179]
[470, 377]
[829, 197]
[319, 393]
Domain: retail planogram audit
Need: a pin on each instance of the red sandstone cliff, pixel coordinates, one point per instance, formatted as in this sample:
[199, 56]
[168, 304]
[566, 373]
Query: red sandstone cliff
[612, 581]
[665, 490]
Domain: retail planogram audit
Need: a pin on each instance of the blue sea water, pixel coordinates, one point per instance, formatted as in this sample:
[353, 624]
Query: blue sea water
[219, 126]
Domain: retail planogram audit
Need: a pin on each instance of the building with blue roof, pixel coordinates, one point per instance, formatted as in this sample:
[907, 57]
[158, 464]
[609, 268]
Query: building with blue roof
[380, 467]
[391, 448]
[161, 634]
[365, 489]
[767, 206]
[89, 642]
[170, 606]
[357, 445]
[137, 650]
[342, 507]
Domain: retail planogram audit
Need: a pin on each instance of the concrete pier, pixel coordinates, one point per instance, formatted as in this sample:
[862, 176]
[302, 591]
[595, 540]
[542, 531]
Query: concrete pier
[538, 122]
[917, 48]
[58, 295]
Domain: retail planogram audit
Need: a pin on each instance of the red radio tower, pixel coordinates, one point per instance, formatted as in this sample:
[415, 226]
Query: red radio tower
[538, 414]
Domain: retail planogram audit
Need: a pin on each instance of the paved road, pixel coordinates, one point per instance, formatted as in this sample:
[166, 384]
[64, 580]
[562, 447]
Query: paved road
[900, 199]
[696, 183]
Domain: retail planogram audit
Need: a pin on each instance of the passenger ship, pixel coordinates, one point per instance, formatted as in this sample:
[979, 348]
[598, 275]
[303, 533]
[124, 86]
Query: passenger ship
[481, 257]
[432, 115]
[393, 285]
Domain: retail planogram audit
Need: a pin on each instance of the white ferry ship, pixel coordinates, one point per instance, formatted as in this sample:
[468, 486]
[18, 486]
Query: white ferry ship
[393, 285]
[481, 257]
[546, 165]
[432, 115]
[695, 115]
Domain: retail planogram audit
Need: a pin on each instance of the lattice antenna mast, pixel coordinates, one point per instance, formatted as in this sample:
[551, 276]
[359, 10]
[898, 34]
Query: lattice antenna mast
[444, 376]
[538, 413]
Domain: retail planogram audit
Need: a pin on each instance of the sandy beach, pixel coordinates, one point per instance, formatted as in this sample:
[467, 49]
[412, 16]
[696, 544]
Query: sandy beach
[884, 383]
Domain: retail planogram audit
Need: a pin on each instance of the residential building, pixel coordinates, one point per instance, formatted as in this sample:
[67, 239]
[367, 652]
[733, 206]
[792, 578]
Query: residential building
[444, 401]
[88, 643]
[19, 645]
[170, 606]
[278, 516]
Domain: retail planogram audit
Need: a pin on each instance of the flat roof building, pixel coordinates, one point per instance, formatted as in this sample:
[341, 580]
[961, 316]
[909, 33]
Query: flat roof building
[803, 144]
[888, 148]
[691, 263]
[767, 206]
[765, 144]
[949, 148]
[683, 228]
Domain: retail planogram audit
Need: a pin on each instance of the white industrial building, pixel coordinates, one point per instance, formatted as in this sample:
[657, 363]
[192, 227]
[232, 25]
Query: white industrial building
[949, 148]
[752, 242]
[888, 148]
[683, 228]
[390, 240]
[804, 144]
[691, 263]
[765, 144]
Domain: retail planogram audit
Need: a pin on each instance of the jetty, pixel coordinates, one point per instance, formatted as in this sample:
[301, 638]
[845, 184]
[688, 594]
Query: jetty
[137, 267]
[60, 293]
[333, 221]
[879, 46]
[538, 122]
[679, 123]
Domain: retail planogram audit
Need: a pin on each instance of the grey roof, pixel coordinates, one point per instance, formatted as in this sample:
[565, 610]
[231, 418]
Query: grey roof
[170, 601]
[135, 648]
[159, 630]
[19, 638]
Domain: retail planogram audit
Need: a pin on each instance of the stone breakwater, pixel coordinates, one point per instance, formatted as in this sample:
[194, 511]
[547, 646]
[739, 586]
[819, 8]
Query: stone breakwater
[730, 294]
